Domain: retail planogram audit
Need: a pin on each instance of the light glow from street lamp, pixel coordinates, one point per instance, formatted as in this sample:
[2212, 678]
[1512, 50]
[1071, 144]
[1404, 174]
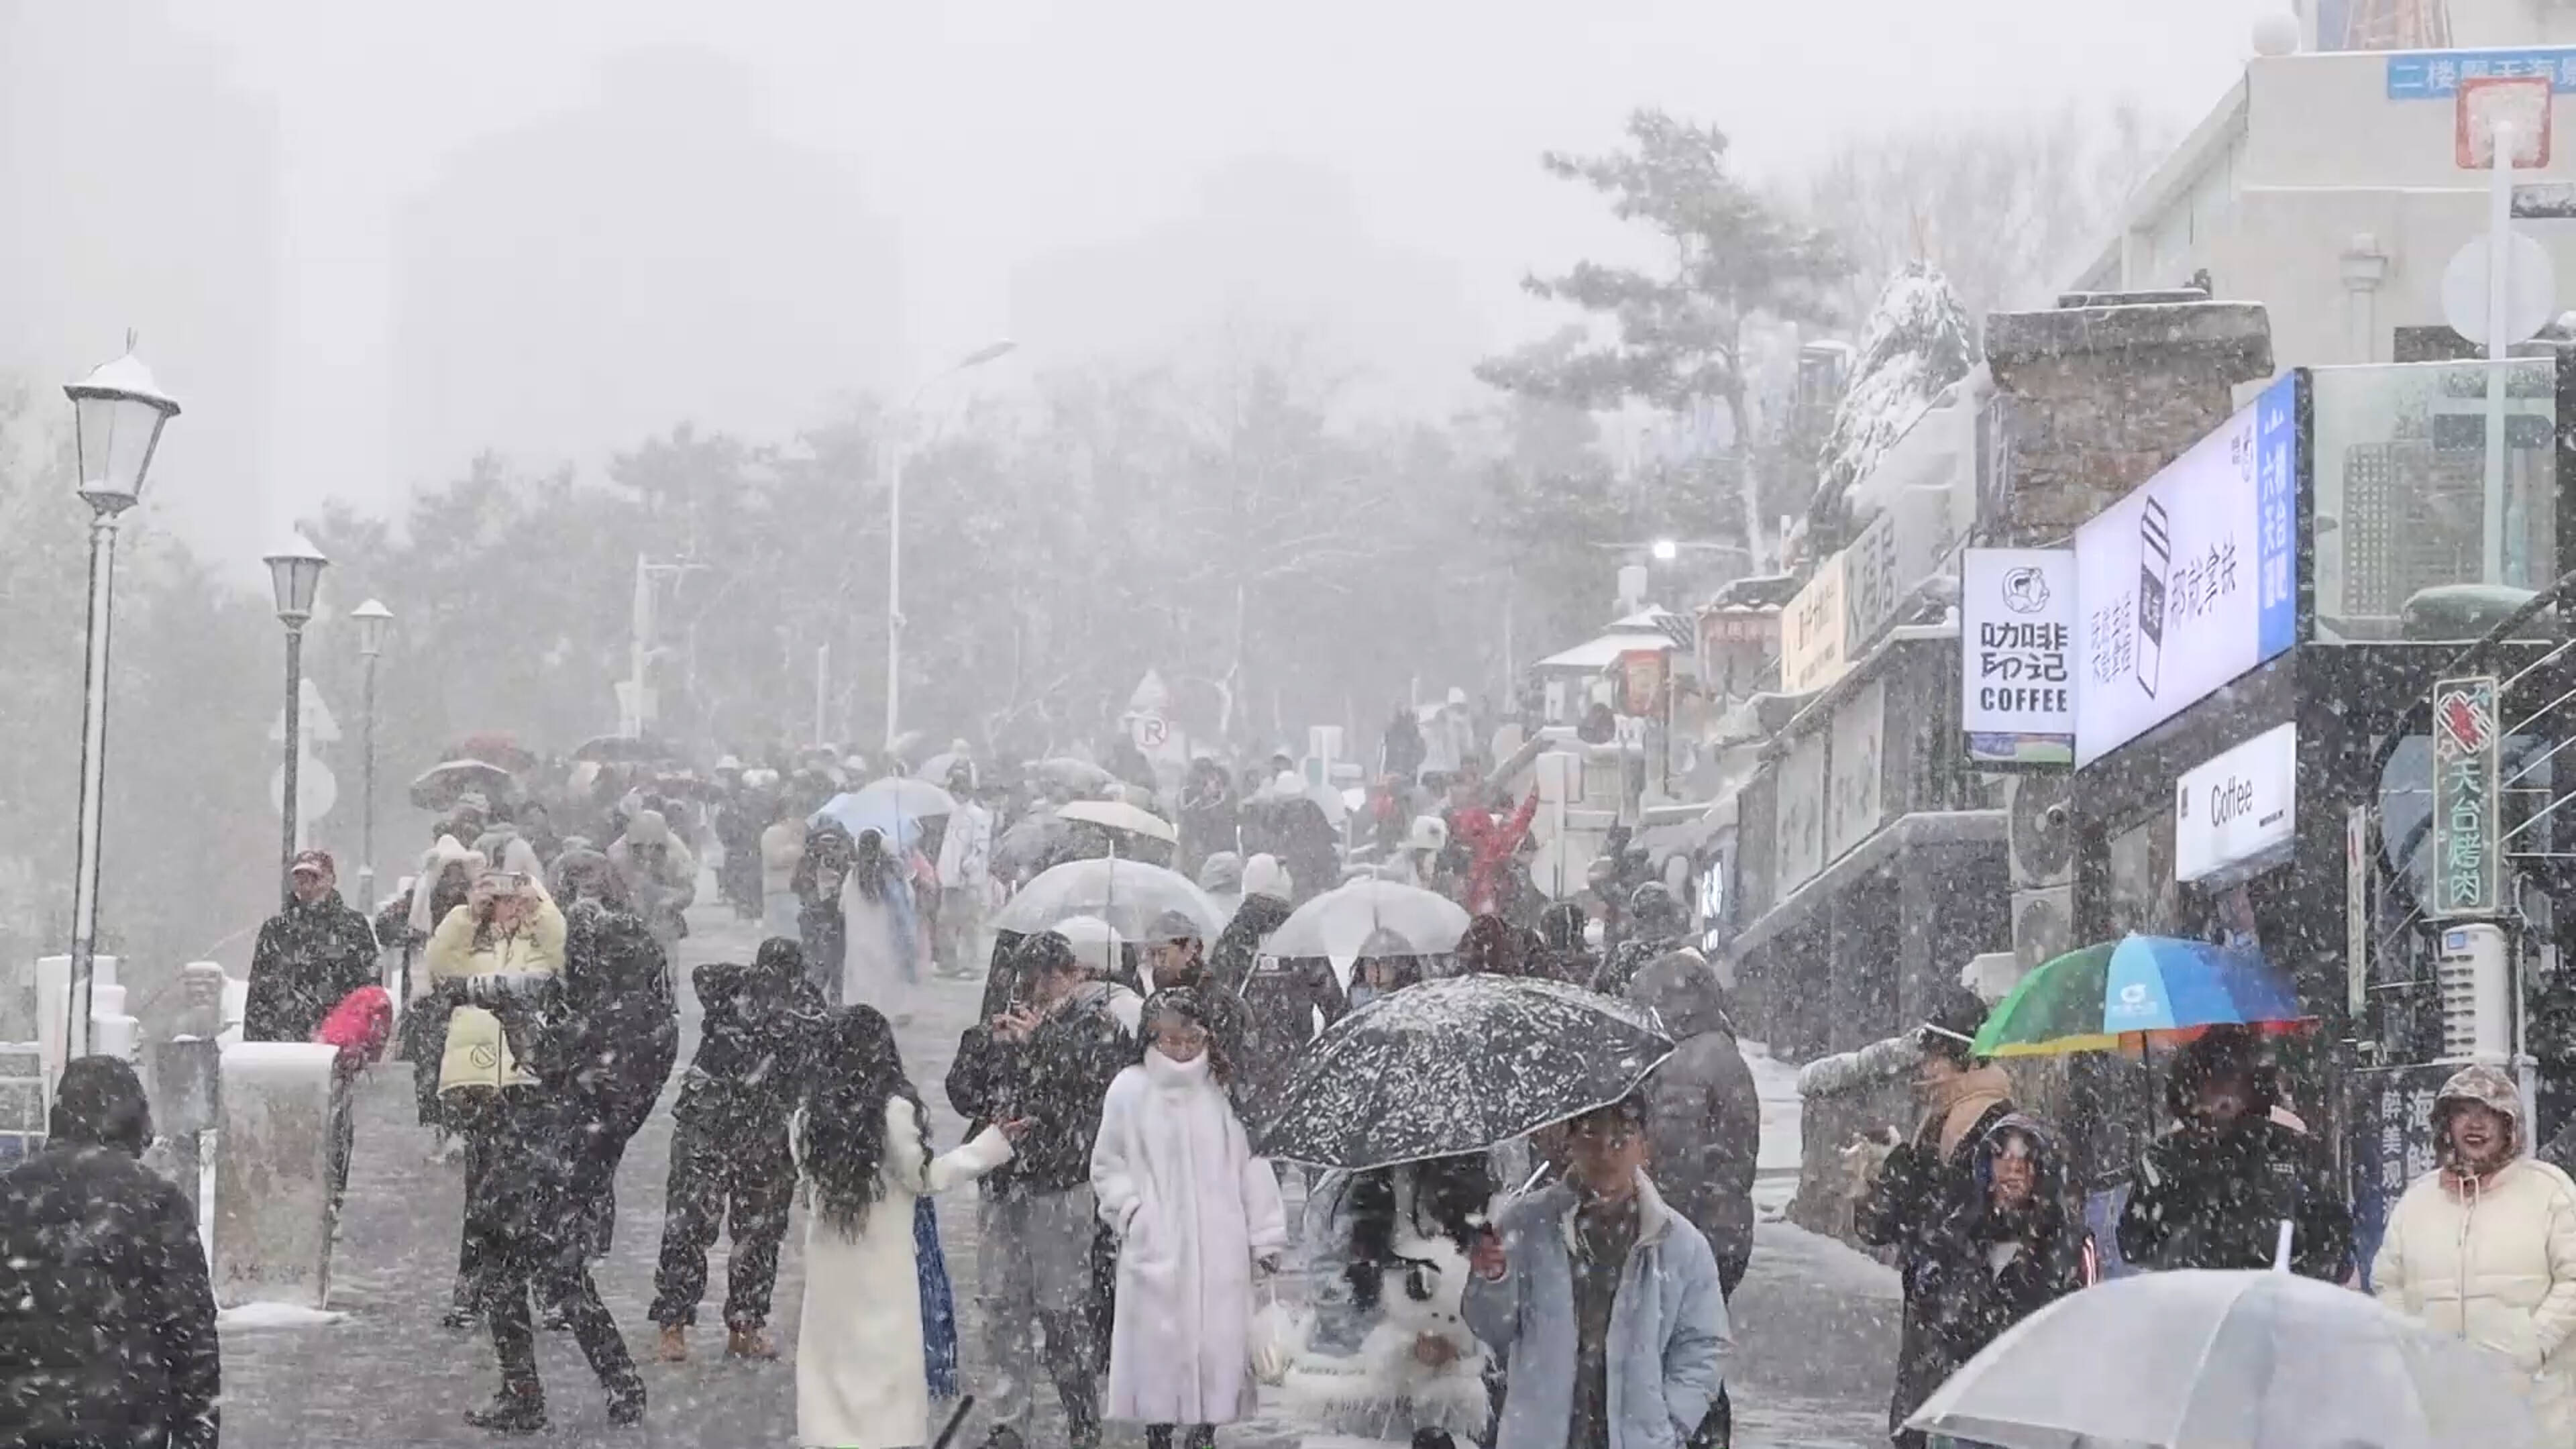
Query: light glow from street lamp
[1666, 550]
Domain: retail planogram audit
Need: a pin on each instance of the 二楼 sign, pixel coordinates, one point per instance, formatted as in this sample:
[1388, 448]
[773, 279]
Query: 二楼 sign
[2017, 613]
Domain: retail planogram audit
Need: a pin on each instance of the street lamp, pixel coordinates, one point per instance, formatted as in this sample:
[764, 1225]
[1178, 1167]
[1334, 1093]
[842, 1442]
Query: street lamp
[295, 571]
[374, 621]
[117, 415]
[894, 528]
[1666, 550]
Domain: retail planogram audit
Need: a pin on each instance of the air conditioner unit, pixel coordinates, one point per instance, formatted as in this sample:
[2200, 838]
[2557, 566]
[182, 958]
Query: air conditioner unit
[2041, 830]
[2043, 926]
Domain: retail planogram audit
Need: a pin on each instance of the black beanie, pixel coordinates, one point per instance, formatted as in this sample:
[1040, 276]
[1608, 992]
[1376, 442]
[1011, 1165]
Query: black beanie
[100, 1101]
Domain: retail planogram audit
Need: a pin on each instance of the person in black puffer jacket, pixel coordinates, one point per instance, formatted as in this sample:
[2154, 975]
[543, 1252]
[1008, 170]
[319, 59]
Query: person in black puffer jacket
[1282, 998]
[619, 1037]
[107, 1338]
[1048, 1059]
[729, 1151]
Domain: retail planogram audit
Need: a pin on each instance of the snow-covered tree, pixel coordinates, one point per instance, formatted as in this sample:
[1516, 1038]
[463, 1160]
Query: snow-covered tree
[1917, 342]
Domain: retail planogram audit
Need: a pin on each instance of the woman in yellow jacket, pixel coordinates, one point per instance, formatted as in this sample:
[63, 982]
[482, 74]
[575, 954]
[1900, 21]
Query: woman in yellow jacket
[508, 925]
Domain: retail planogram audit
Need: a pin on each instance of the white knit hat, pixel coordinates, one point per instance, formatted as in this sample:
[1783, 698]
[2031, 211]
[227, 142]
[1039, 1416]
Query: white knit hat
[1263, 875]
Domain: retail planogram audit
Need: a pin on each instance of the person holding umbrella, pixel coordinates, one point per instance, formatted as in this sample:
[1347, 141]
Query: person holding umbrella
[2213, 1192]
[1283, 997]
[1923, 1186]
[1605, 1301]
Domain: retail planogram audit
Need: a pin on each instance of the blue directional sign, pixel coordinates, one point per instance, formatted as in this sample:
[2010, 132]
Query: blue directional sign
[2435, 75]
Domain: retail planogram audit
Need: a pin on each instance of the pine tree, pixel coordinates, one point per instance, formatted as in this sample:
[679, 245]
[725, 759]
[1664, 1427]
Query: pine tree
[1916, 343]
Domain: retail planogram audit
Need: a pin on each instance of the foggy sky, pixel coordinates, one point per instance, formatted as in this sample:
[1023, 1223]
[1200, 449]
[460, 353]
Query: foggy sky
[1013, 154]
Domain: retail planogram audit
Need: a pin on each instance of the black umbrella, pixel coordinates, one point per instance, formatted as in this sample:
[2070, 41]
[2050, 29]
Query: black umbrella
[440, 785]
[1455, 1066]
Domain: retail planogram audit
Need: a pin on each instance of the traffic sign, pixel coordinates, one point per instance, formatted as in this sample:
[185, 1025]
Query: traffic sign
[1152, 731]
[316, 790]
[2531, 289]
[318, 724]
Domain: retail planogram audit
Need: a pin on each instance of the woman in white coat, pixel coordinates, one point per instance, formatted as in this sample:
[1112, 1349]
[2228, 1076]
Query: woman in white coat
[1197, 1216]
[863, 1152]
[882, 948]
[2484, 1245]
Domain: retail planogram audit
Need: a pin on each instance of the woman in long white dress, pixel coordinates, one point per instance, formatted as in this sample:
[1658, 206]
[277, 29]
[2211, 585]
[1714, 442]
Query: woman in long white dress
[1197, 1216]
[882, 949]
[863, 1153]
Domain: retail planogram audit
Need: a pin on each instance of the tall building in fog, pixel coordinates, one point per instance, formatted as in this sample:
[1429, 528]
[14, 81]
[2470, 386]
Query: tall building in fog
[569, 288]
[140, 188]
[1274, 252]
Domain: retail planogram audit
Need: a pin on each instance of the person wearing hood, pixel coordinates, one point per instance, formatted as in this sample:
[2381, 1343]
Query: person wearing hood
[620, 1034]
[111, 1323]
[1703, 1115]
[1404, 749]
[310, 955]
[2213, 1192]
[2484, 1245]
[1209, 816]
[1604, 1300]
[729, 1152]
[1199, 1222]
[1048, 1061]
[1283, 998]
[1221, 876]
[820, 928]
[661, 875]
[1387, 964]
[1924, 1184]
[2017, 1244]
[446, 878]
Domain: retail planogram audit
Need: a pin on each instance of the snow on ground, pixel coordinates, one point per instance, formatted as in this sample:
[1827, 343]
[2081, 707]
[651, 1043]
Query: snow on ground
[276, 1315]
[1824, 1262]
[1783, 1149]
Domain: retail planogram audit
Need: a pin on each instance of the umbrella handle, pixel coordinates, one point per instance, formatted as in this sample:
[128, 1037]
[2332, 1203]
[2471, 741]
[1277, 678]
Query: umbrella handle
[2281, 1250]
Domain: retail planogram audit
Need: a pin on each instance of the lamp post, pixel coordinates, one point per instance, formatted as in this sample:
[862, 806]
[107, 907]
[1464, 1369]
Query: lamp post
[117, 415]
[295, 571]
[374, 621]
[894, 529]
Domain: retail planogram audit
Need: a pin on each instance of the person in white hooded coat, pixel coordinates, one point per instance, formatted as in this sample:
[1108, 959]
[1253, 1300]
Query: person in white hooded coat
[2484, 1245]
[1197, 1218]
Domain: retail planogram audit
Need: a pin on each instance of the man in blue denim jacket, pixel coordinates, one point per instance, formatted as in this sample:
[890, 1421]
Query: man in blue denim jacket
[1605, 1301]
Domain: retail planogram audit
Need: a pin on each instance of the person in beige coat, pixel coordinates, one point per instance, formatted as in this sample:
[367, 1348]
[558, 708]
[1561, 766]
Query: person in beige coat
[2485, 1244]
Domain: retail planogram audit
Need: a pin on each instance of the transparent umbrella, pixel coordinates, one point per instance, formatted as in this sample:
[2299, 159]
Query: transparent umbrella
[1339, 921]
[1127, 894]
[2220, 1360]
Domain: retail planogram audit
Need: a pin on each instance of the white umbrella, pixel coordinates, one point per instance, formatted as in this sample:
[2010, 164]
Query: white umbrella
[1127, 894]
[1093, 941]
[2229, 1360]
[919, 799]
[1117, 815]
[1338, 922]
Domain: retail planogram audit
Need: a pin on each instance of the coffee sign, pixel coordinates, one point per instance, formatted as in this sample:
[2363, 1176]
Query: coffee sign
[2239, 812]
[2017, 613]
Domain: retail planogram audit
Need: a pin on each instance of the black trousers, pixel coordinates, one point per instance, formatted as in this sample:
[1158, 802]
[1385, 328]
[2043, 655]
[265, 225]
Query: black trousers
[510, 1271]
[480, 1126]
[716, 1174]
[1180, 1436]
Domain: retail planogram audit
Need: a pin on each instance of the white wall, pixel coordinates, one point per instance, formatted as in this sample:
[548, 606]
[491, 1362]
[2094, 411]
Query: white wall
[2322, 164]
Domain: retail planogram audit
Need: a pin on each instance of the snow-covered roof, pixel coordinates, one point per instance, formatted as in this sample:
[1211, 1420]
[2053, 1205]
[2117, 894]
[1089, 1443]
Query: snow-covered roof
[1603, 652]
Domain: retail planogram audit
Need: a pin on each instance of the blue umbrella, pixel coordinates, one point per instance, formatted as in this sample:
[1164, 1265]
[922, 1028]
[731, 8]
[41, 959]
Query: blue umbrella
[859, 812]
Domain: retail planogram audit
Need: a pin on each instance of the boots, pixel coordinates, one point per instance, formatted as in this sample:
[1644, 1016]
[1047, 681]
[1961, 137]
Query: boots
[751, 1342]
[517, 1409]
[673, 1345]
[626, 1402]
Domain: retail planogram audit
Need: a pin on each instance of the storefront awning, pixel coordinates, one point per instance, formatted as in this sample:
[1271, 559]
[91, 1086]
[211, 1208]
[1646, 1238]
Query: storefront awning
[1901, 836]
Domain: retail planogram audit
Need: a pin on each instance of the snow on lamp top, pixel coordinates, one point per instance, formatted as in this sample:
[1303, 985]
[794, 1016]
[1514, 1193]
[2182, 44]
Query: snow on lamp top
[295, 571]
[117, 413]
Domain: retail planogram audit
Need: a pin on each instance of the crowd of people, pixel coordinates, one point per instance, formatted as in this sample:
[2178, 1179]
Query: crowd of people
[1139, 1260]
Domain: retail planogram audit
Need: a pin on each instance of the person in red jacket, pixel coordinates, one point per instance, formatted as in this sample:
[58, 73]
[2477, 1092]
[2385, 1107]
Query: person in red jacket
[1490, 848]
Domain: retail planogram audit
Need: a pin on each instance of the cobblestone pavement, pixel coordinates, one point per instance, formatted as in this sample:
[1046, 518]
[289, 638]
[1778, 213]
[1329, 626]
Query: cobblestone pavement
[388, 1374]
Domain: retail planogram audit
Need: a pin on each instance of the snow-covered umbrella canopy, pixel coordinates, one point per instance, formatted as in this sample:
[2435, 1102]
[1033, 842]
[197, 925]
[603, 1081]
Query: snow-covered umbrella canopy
[1457, 1065]
[1118, 815]
[1127, 894]
[2266, 1359]
[1340, 921]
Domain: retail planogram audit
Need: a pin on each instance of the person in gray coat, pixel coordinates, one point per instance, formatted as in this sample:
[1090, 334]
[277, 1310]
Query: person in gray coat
[1605, 1300]
[1703, 1114]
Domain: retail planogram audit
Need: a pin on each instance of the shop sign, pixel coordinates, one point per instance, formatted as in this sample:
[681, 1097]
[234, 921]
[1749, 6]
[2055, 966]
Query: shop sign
[2240, 810]
[1856, 771]
[1641, 681]
[2191, 580]
[2017, 613]
[1798, 844]
[1873, 579]
[2391, 1146]
[2467, 752]
[1812, 632]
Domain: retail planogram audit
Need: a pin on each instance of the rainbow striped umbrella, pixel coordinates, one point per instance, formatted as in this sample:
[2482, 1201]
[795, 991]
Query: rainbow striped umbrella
[2138, 992]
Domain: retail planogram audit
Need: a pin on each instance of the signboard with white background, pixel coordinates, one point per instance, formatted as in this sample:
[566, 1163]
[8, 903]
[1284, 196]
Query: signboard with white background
[2239, 812]
[2190, 580]
[1798, 845]
[2017, 617]
[1854, 802]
